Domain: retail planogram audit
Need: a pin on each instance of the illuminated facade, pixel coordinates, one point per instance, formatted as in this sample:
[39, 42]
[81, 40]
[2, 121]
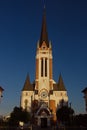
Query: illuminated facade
[44, 96]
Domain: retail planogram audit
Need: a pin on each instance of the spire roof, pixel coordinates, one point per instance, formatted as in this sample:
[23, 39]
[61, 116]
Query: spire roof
[1, 89]
[44, 34]
[61, 86]
[27, 85]
[84, 90]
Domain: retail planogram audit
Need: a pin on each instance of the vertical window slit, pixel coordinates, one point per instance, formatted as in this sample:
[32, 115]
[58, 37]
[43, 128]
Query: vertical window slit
[41, 67]
[46, 67]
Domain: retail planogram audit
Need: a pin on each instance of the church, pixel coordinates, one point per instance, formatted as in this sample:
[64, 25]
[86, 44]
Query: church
[44, 96]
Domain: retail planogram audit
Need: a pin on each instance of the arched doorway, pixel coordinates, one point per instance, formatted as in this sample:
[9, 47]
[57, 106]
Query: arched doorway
[44, 116]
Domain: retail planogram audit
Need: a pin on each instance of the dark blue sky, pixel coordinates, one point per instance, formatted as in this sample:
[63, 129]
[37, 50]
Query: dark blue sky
[20, 27]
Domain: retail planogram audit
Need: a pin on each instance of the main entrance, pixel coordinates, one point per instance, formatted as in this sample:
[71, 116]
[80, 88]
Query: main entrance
[43, 116]
[43, 122]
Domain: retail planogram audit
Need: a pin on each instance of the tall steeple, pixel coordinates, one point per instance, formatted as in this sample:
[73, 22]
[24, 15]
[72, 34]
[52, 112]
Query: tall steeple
[44, 59]
[44, 34]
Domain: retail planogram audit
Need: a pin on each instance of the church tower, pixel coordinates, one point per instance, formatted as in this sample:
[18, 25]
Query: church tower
[44, 76]
[43, 97]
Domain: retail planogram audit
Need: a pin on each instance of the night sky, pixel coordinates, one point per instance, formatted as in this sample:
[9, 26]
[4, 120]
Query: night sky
[20, 27]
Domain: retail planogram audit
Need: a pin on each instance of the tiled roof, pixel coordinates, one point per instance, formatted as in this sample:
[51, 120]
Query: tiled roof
[27, 85]
[60, 85]
[55, 87]
[84, 90]
[1, 88]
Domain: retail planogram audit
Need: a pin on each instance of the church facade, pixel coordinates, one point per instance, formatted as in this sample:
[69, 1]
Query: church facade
[44, 96]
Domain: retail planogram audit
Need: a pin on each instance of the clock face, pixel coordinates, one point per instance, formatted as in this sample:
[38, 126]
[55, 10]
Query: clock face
[44, 94]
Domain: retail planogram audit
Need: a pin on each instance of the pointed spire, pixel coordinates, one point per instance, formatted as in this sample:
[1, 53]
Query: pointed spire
[27, 84]
[61, 85]
[1, 89]
[44, 34]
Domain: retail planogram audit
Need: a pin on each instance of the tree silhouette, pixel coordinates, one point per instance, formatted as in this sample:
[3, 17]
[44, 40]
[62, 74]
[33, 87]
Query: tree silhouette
[18, 114]
[64, 114]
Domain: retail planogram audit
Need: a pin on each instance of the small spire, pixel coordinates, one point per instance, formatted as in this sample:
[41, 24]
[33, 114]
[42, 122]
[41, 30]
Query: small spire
[1, 89]
[61, 85]
[27, 84]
